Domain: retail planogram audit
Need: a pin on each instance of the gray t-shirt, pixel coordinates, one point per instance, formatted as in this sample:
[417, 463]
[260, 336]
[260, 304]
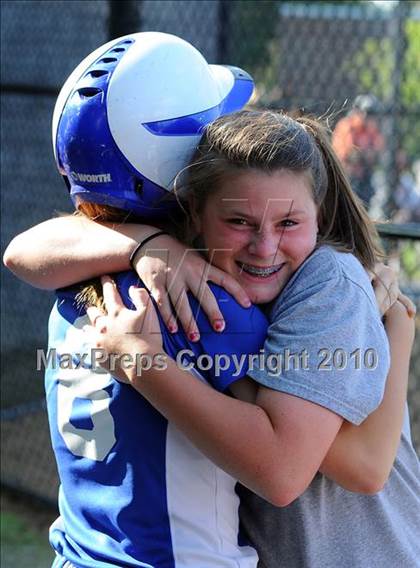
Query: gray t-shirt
[328, 309]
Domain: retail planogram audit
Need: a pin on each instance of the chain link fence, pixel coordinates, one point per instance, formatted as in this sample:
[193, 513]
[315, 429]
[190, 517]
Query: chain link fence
[315, 56]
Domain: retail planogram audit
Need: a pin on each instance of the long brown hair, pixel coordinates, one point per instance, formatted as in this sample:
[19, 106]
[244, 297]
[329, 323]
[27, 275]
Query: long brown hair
[269, 141]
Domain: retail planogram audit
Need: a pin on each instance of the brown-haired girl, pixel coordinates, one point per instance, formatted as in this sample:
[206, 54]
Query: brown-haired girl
[272, 208]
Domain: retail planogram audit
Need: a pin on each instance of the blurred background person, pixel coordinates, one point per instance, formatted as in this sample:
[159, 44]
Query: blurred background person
[358, 142]
[407, 194]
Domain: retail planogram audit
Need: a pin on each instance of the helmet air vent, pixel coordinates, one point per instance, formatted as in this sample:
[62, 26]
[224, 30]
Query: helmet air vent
[98, 73]
[88, 92]
[107, 60]
[117, 50]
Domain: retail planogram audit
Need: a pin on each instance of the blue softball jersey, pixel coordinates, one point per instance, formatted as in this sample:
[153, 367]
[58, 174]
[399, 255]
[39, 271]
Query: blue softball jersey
[134, 491]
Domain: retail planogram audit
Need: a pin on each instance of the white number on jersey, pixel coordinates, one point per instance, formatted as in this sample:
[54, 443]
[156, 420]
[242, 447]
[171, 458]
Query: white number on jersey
[86, 384]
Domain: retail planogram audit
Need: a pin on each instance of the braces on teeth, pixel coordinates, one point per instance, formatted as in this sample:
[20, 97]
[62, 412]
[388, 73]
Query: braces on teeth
[260, 271]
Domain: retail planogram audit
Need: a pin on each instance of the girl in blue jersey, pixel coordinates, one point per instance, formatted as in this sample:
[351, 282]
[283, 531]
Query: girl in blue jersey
[149, 499]
[295, 425]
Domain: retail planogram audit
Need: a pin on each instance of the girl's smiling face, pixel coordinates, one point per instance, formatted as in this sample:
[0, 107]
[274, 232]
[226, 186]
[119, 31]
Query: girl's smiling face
[260, 227]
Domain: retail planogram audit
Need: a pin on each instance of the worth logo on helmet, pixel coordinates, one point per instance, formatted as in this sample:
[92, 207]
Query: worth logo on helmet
[92, 178]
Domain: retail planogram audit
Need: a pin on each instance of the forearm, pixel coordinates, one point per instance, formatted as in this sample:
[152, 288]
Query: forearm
[237, 436]
[275, 447]
[66, 250]
[361, 457]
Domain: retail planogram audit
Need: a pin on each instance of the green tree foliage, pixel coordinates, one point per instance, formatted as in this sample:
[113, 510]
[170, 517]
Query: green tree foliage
[252, 38]
[411, 84]
[253, 42]
[374, 67]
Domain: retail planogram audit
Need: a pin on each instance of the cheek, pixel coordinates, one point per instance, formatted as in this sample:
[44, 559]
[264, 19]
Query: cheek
[224, 237]
[226, 247]
[300, 244]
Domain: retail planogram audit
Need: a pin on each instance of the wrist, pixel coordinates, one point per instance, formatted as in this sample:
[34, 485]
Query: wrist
[146, 366]
[141, 248]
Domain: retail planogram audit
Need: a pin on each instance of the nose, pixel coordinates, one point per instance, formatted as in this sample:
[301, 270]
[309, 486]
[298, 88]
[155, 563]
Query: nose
[265, 245]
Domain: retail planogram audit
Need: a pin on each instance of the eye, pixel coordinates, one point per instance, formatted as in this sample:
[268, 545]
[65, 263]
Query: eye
[288, 223]
[238, 221]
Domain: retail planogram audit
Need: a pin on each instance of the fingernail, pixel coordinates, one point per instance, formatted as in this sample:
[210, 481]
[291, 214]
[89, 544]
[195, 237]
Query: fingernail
[172, 328]
[193, 336]
[219, 324]
[247, 303]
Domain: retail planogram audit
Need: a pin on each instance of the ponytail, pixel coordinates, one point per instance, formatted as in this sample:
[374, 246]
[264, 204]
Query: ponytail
[342, 220]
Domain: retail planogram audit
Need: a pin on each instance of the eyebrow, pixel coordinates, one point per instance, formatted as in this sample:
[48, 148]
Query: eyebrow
[289, 213]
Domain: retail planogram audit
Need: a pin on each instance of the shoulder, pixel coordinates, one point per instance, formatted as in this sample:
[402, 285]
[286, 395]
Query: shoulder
[329, 299]
[327, 264]
[321, 266]
[328, 276]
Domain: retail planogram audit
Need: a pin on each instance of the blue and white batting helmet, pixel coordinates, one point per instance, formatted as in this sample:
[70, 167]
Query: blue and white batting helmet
[129, 118]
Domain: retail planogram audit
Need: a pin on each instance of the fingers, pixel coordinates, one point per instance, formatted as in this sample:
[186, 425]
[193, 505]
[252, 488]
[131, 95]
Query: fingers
[168, 285]
[384, 274]
[385, 297]
[112, 298]
[94, 314]
[408, 304]
[210, 306]
[392, 294]
[163, 303]
[385, 285]
[207, 300]
[91, 335]
[139, 297]
[230, 285]
[185, 315]
[142, 301]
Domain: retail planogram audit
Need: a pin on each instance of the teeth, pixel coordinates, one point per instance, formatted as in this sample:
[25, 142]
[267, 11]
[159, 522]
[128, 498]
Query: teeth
[264, 272]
